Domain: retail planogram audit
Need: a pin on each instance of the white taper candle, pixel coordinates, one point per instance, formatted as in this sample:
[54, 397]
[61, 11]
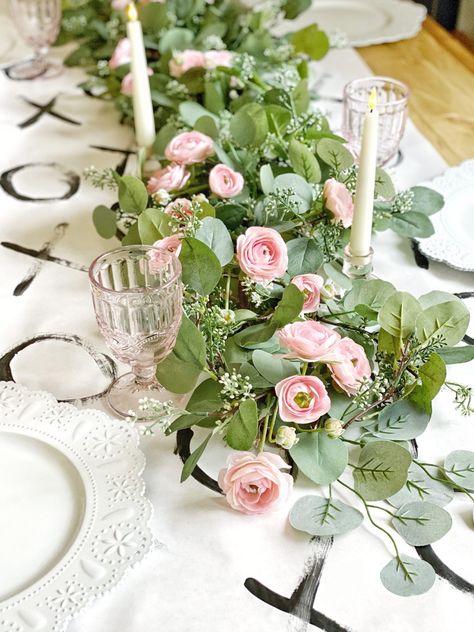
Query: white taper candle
[142, 105]
[361, 230]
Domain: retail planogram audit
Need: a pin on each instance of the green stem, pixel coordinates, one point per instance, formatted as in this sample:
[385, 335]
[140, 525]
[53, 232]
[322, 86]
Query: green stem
[211, 374]
[369, 516]
[304, 368]
[449, 482]
[272, 425]
[227, 292]
[264, 433]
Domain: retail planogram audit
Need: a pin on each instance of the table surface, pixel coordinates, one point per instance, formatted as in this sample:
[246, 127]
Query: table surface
[439, 71]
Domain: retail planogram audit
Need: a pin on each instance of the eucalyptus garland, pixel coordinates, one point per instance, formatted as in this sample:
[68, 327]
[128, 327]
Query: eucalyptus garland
[277, 347]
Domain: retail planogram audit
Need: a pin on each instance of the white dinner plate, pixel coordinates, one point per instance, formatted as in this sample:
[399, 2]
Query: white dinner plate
[453, 240]
[73, 516]
[364, 22]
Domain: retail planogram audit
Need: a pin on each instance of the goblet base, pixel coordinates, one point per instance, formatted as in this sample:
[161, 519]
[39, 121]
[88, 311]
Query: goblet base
[33, 68]
[125, 394]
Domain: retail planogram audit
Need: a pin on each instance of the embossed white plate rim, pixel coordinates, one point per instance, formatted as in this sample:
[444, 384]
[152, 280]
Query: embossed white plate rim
[441, 246]
[115, 532]
[406, 20]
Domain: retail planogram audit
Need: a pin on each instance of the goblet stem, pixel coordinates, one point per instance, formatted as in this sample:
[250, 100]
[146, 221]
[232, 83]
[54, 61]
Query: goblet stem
[144, 375]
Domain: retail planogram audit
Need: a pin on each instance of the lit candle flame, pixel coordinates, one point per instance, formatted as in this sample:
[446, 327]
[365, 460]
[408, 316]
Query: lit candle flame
[372, 103]
[132, 14]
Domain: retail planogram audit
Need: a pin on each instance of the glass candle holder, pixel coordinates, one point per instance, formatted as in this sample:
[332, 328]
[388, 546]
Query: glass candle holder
[392, 100]
[137, 297]
[38, 22]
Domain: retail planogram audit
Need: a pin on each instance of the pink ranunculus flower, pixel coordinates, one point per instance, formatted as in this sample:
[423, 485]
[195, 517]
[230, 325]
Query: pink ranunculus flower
[189, 148]
[180, 208]
[338, 200]
[216, 58]
[183, 60]
[225, 182]
[262, 254]
[171, 178]
[310, 341]
[254, 484]
[352, 366]
[126, 87]
[310, 285]
[120, 5]
[302, 399]
[170, 244]
[122, 54]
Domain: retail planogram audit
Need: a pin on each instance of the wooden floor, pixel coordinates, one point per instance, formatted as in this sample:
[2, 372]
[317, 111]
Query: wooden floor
[440, 73]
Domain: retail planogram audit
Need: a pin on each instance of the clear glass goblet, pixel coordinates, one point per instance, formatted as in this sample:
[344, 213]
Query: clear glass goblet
[392, 100]
[38, 22]
[137, 296]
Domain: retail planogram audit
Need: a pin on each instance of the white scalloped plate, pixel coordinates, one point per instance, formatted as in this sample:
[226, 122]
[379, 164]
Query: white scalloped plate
[73, 514]
[364, 22]
[453, 240]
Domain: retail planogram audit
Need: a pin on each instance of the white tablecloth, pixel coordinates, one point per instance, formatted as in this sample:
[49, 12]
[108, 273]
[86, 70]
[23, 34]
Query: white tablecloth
[194, 581]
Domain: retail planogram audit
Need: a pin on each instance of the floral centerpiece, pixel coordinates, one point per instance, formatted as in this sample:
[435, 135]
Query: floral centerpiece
[286, 360]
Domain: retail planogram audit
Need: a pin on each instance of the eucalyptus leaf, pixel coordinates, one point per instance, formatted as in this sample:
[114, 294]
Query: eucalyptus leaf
[310, 40]
[447, 320]
[324, 516]
[426, 200]
[435, 297]
[231, 214]
[214, 234]
[175, 39]
[382, 470]
[206, 125]
[266, 179]
[457, 355]
[334, 154]
[249, 125]
[421, 523]
[201, 269]
[133, 196]
[256, 336]
[273, 369]
[206, 397]
[432, 375]
[421, 487]
[383, 184]
[304, 256]
[399, 314]
[293, 8]
[242, 429]
[147, 229]
[289, 307]
[304, 161]
[400, 421]
[193, 459]
[256, 379]
[302, 191]
[459, 468]
[191, 112]
[320, 458]
[105, 220]
[372, 293]
[408, 576]
[179, 371]
[334, 271]
[411, 224]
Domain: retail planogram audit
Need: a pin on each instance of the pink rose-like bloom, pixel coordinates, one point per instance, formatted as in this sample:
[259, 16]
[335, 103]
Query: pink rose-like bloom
[310, 285]
[179, 208]
[310, 341]
[169, 244]
[262, 253]
[254, 484]
[126, 87]
[189, 147]
[338, 200]
[302, 399]
[216, 58]
[184, 60]
[225, 182]
[352, 366]
[120, 5]
[171, 178]
[122, 54]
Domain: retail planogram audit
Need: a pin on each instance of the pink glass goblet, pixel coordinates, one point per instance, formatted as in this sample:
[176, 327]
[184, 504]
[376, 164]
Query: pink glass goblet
[137, 297]
[392, 100]
[38, 22]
